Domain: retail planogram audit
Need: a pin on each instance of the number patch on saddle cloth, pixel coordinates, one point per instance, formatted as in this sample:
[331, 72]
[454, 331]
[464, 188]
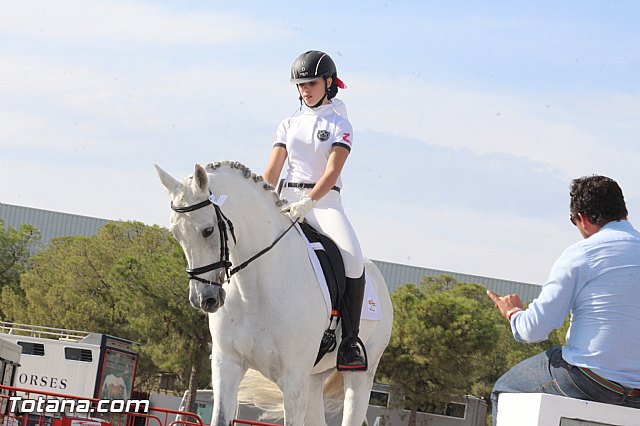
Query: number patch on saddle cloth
[323, 135]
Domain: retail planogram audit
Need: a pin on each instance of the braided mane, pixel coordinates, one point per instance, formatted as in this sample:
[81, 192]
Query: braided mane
[247, 174]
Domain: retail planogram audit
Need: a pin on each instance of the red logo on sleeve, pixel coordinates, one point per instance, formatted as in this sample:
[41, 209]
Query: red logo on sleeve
[345, 138]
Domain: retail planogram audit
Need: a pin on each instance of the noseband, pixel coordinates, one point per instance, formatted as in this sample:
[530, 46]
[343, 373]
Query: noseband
[224, 262]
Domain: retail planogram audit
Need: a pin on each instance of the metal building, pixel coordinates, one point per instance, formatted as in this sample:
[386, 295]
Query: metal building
[396, 274]
[50, 224]
[55, 224]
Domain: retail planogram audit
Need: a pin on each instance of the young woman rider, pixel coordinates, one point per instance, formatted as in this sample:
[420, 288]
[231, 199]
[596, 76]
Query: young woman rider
[315, 143]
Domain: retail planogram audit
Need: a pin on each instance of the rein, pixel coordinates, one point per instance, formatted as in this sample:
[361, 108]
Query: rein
[224, 261]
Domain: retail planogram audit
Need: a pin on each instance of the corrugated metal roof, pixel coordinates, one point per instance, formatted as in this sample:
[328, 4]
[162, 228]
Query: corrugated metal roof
[50, 224]
[396, 274]
[54, 224]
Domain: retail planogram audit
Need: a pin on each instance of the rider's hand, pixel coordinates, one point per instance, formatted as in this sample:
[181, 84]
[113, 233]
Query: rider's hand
[300, 209]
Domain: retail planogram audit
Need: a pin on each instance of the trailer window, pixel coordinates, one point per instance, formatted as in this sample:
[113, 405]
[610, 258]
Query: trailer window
[449, 409]
[379, 399]
[455, 409]
[31, 348]
[77, 354]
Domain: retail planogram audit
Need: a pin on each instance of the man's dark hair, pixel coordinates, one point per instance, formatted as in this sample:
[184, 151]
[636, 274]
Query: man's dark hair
[598, 198]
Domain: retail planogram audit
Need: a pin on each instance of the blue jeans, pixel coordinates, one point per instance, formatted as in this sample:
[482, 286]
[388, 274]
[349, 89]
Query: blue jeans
[549, 373]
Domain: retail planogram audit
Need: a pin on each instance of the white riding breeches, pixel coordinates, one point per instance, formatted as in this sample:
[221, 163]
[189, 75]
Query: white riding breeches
[329, 217]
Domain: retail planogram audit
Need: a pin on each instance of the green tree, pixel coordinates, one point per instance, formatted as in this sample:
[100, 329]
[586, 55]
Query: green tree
[128, 281]
[441, 335]
[15, 250]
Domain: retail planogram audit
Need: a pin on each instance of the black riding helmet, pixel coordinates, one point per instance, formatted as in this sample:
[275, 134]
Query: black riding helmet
[312, 65]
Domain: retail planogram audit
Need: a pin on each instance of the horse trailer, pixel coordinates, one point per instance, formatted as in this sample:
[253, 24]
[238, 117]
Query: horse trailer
[9, 363]
[72, 362]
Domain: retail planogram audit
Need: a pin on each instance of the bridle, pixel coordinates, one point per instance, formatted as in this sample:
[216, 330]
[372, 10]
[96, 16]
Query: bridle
[224, 262]
[223, 222]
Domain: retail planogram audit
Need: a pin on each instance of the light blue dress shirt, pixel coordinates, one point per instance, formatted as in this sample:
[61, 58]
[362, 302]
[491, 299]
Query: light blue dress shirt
[598, 281]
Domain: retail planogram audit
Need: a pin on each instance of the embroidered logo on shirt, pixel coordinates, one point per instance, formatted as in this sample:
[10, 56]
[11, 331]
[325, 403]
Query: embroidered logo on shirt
[345, 138]
[323, 135]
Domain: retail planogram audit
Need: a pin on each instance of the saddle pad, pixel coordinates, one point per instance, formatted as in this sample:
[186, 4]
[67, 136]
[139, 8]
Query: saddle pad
[370, 306]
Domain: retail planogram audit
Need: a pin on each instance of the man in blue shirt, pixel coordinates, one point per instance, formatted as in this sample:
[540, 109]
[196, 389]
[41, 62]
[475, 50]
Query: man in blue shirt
[597, 280]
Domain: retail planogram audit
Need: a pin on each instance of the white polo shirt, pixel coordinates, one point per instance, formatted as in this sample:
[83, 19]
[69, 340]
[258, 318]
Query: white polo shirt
[309, 138]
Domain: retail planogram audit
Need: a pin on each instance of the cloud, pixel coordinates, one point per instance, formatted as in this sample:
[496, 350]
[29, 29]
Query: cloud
[76, 109]
[462, 240]
[86, 189]
[79, 20]
[26, 132]
[566, 131]
[410, 172]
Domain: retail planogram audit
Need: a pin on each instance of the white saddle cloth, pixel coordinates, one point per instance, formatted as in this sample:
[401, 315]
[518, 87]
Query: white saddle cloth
[370, 306]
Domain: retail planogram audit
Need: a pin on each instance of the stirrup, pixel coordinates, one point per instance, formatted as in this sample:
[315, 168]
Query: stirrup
[328, 344]
[329, 341]
[346, 343]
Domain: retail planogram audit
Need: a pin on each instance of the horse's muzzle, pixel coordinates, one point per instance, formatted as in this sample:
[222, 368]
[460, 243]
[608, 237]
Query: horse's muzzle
[212, 304]
[207, 297]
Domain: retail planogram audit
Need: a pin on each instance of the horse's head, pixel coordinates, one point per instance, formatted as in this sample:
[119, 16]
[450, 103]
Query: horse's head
[195, 223]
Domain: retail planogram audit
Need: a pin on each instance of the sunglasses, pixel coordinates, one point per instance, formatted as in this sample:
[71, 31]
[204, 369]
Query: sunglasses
[573, 218]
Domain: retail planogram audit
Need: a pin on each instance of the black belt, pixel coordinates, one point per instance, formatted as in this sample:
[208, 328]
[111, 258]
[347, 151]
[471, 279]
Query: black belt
[609, 384]
[301, 185]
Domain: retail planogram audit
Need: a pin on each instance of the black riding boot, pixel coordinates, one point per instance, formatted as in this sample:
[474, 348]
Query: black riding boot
[351, 353]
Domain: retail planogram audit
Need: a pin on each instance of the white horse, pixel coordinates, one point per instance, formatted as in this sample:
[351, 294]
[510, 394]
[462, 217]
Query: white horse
[271, 315]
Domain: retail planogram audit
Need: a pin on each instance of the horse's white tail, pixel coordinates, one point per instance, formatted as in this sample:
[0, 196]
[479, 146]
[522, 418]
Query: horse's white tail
[257, 390]
[262, 393]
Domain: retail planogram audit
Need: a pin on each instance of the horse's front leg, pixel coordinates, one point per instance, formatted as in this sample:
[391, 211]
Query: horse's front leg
[226, 376]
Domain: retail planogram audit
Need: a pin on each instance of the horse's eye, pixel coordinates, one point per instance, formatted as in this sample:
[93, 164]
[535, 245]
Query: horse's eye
[207, 232]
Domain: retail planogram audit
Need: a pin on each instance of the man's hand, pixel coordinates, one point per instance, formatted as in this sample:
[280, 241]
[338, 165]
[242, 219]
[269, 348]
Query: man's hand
[300, 209]
[508, 305]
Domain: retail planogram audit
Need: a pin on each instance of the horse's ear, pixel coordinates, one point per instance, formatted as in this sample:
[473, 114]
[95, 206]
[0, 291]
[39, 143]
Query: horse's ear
[168, 181]
[200, 179]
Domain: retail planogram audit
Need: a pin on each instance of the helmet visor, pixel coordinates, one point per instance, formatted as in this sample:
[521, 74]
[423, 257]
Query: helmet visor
[304, 79]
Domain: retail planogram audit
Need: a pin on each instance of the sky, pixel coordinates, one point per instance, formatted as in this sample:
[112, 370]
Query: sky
[470, 117]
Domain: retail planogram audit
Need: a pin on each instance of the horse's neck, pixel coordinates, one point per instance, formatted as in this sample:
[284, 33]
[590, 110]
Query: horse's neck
[257, 221]
[275, 292]
[258, 224]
